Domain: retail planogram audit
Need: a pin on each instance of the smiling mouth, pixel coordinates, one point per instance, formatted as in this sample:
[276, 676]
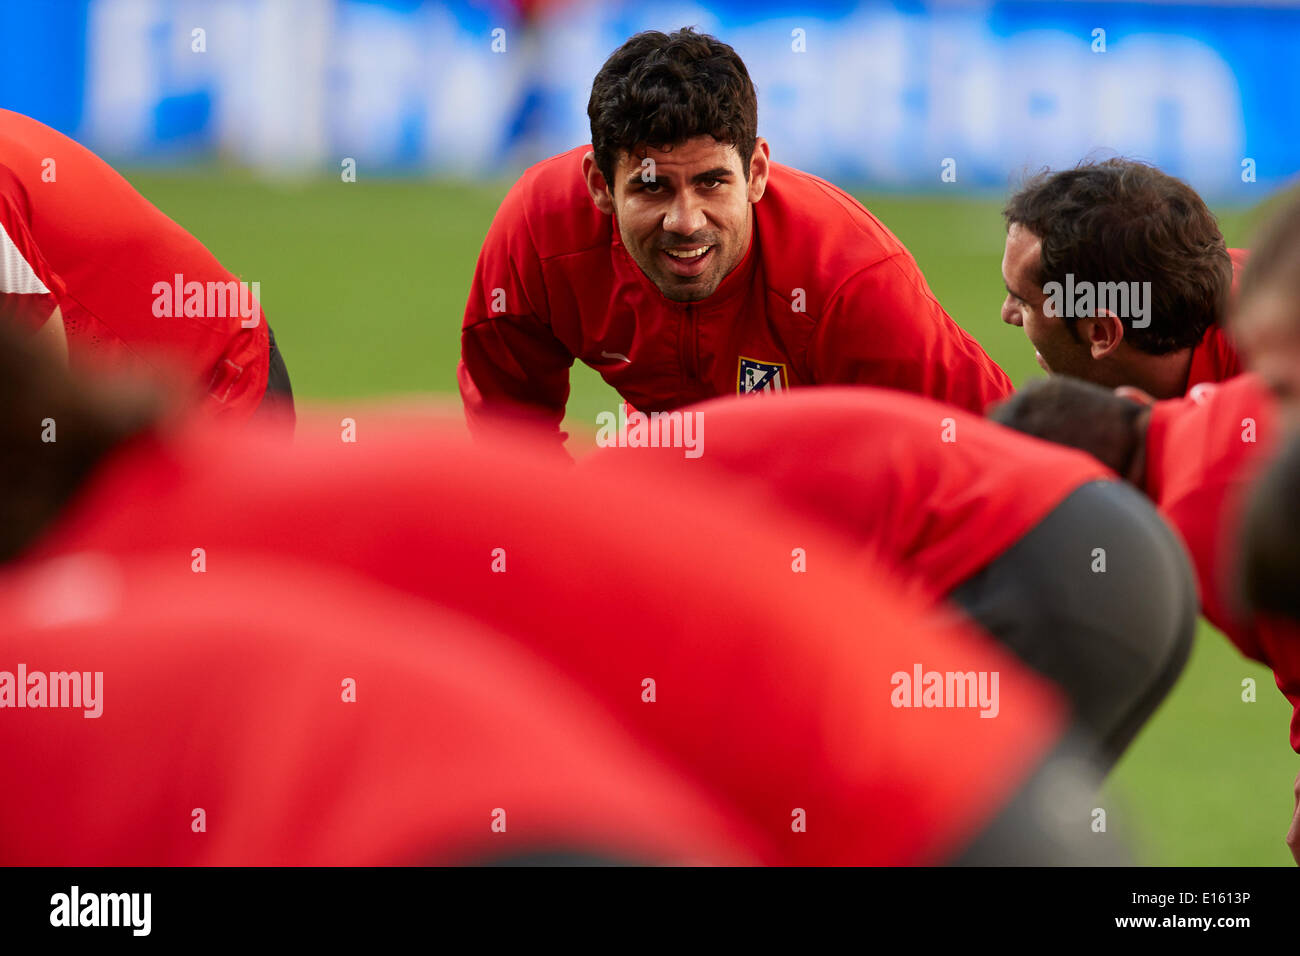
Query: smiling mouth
[687, 261]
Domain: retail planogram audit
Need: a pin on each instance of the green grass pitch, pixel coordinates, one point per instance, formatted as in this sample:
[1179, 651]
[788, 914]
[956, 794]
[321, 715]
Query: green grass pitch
[365, 283]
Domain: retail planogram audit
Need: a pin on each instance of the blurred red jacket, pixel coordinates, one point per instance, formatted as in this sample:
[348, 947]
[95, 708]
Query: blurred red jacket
[340, 723]
[770, 689]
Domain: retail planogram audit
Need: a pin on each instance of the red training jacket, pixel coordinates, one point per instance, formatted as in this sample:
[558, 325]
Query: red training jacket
[554, 284]
[78, 235]
[1203, 454]
[934, 493]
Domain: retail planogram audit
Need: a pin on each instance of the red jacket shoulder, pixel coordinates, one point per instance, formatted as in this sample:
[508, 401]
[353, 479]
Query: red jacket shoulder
[835, 234]
[551, 202]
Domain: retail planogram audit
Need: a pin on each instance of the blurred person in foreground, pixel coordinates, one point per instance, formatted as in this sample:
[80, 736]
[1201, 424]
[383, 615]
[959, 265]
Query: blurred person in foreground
[1266, 322]
[342, 723]
[1270, 571]
[1119, 275]
[1041, 546]
[182, 563]
[677, 259]
[1266, 319]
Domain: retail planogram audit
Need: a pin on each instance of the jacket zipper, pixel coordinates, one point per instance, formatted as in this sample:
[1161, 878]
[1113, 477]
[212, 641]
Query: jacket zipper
[692, 345]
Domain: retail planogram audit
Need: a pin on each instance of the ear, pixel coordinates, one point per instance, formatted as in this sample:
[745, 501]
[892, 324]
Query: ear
[1103, 332]
[760, 164]
[599, 190]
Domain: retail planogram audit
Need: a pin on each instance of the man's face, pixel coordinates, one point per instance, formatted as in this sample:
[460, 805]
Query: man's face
[1266, 327]
[684, 216]
[1055, 349]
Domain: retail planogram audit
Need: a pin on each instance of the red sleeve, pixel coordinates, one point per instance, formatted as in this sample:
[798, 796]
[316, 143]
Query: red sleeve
[236, 385]
[883, 327]
[1198, 519]
[29, 289]
[510, 360]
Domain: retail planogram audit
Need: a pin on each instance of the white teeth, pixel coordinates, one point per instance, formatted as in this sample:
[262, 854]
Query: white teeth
[688, 255]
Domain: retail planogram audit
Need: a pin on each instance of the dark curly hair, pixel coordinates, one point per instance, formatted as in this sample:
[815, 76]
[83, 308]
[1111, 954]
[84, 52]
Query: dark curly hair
[1123, 221]
[1078, 414]
[661, 89]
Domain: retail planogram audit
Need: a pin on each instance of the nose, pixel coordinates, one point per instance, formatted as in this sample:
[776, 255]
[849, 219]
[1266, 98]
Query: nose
[685, 216]
[1010, 314]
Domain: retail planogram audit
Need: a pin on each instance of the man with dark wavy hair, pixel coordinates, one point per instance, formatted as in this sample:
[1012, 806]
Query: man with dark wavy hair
[1119, 275]
[674, 257]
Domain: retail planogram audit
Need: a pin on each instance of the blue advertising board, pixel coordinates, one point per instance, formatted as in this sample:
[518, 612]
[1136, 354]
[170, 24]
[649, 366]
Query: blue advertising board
[894, 95]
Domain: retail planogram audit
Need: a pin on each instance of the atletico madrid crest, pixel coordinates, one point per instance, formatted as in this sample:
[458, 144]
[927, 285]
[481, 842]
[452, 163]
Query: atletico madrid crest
[755, 376]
